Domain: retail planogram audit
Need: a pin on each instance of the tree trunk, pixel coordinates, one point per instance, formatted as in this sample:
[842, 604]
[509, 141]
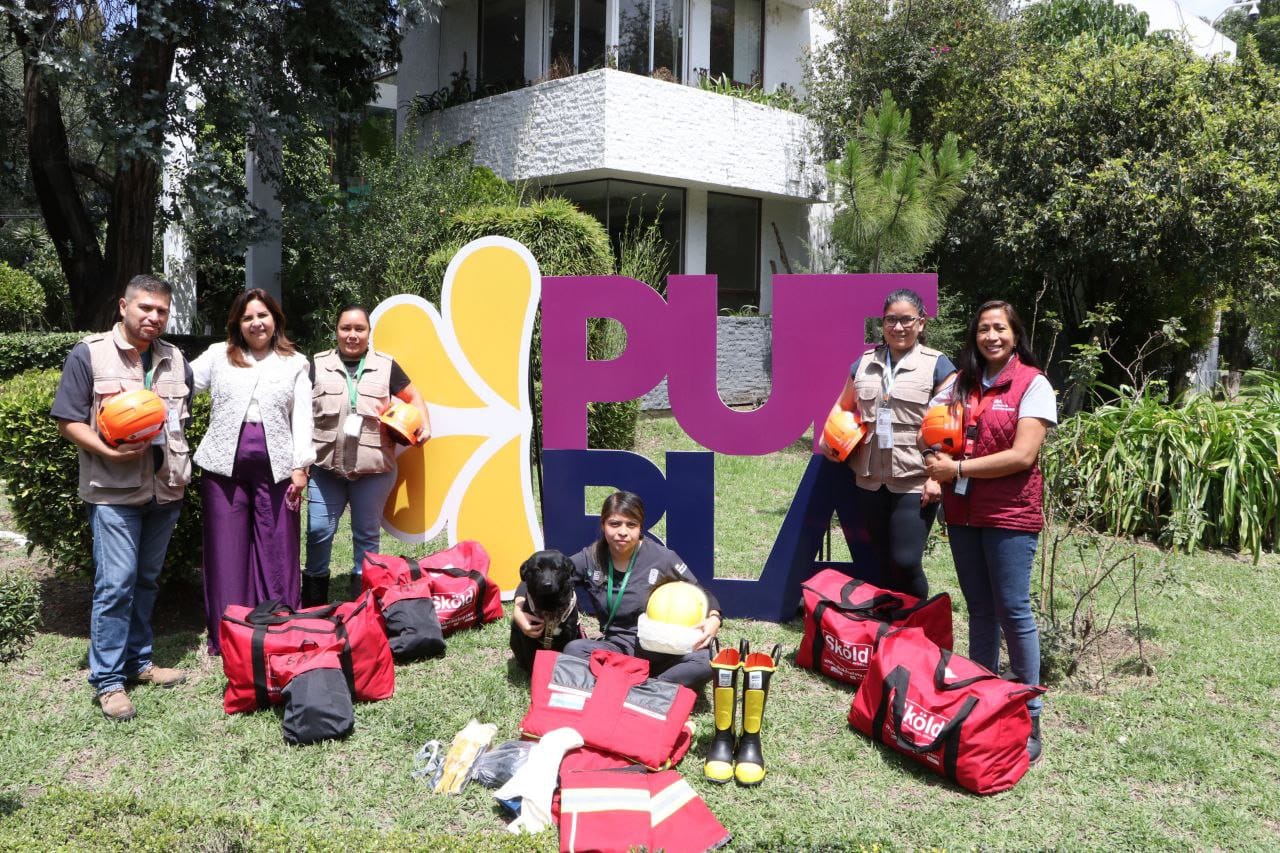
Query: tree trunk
[95, 280]
[65, 216]
[136, 188]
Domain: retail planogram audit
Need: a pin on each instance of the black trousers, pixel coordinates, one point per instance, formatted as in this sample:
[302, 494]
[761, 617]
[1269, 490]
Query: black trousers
[898, 527]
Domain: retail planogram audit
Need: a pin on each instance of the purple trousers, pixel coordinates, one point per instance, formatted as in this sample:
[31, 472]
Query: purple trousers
[251, 544]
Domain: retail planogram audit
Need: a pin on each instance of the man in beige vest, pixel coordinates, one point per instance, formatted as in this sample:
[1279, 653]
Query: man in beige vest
[133, 492]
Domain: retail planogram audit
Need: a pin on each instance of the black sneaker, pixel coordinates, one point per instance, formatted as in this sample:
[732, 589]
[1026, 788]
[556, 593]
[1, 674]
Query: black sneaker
[1033, 741]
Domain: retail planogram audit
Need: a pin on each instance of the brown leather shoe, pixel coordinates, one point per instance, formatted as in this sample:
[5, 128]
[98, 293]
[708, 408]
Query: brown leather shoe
[160, 676]
[116, 706]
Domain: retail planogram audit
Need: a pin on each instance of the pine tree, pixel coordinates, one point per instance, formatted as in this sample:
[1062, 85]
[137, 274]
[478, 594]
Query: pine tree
[892, 201]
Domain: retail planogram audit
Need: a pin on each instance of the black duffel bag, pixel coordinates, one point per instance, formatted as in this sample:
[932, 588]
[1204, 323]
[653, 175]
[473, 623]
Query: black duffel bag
[317, 697]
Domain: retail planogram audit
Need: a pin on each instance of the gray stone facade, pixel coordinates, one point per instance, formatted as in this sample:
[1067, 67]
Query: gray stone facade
[744, 357]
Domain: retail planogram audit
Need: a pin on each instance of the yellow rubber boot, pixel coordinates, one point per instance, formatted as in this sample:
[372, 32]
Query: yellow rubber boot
[757, 668]
[727, 669]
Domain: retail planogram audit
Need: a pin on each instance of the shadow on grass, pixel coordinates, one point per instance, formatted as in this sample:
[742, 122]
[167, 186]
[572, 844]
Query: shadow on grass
[66, 601]
[9, 803]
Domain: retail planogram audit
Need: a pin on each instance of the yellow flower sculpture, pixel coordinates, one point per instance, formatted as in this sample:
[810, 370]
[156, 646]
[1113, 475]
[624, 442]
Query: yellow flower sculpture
[470, 361]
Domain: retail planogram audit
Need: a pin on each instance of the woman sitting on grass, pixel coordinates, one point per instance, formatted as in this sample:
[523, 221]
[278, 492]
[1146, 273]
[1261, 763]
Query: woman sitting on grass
[620, 570]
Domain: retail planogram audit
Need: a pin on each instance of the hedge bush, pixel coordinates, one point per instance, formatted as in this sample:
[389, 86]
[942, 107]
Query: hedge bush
[21, 300]
[19, 613]
[40, 471]
[23, 351]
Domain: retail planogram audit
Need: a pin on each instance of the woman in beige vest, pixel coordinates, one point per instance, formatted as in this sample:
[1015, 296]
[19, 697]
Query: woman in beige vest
[355, 458]
[890, 387]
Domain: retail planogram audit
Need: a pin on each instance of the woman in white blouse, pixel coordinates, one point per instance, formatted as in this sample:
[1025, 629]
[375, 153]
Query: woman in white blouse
[255, 456]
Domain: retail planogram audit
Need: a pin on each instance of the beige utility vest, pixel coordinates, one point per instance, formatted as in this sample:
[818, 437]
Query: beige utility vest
[372, 452]
[117, 367]
[901, 468]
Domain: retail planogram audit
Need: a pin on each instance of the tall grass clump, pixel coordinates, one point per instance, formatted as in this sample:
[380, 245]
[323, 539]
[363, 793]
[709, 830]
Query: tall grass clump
[1197, 473]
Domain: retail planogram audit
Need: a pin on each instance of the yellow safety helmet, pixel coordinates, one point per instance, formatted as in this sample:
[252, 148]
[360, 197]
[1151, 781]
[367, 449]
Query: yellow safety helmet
[667, 625]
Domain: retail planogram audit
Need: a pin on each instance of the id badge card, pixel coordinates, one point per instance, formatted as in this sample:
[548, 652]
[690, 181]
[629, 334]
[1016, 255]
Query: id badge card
[170, 423]
[884, 428]
[351, 426]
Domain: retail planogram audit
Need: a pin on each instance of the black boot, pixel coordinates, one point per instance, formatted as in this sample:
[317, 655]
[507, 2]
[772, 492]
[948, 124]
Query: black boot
[1033, 742]
[315, 590]
[357, 586]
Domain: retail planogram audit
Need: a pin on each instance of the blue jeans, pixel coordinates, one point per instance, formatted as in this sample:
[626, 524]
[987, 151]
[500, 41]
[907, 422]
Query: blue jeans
[129, 544]
[329, 495]
[994, 568]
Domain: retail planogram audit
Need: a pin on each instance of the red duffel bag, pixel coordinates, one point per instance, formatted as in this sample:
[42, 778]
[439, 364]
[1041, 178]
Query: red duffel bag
[460, 587]
[407, 604]
[844, 618]
[952, 715]
[251, 635]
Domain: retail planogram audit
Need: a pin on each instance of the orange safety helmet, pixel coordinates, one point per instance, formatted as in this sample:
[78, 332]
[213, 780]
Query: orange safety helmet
[942, 429]
[843, 432]
[132, 417]
[403, 422]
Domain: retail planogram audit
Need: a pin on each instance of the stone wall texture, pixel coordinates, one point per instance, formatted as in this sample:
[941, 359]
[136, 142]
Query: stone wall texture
[743, 363]
[619, 124]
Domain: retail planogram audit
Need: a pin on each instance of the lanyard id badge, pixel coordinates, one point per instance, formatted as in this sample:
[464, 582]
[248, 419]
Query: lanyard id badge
[884, 413]
[353, 422]
[884, 428]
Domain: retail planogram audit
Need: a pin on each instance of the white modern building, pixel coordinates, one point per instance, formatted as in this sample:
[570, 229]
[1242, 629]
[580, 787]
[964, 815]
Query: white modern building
[599, 101]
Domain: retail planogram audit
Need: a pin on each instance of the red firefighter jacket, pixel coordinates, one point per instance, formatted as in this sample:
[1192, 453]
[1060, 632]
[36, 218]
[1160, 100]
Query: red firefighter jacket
[612, 703]
[619, 810]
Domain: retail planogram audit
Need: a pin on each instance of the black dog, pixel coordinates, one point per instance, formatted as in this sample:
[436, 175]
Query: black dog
[550, 596]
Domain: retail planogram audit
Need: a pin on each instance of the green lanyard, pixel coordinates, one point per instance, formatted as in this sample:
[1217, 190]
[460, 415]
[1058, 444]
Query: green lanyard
[608, 595]
[351, 386]
[150, 374]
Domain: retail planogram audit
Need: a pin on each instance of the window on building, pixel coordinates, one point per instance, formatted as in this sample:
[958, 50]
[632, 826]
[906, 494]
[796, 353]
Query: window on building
[733, 248]
[651, 37]
[737, 28]
[501, 65]
[622, 204]
[577, 36]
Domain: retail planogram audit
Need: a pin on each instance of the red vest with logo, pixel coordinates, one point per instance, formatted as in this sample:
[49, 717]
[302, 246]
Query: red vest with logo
[1012, 502]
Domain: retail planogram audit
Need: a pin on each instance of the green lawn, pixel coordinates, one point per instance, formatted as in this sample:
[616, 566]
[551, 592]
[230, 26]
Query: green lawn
[1186, 757]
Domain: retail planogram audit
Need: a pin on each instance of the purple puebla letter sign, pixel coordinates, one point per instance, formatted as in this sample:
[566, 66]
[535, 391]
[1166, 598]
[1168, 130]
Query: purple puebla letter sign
[818, 323]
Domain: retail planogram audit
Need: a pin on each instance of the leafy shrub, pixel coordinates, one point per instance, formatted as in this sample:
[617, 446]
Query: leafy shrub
[19, 613]
[40, 471]
[1200, 473]
[23, 351]
[21, 300]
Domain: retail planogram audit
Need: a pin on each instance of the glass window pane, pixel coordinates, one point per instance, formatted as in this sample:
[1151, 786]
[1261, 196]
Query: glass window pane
[591, 15]
[668, 36]
[633, 35]
[501, 45]
[616, 203]
[733, 248]
[561, 57]
[736, 28]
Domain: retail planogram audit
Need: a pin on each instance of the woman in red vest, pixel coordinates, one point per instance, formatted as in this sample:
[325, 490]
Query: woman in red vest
[993, 493]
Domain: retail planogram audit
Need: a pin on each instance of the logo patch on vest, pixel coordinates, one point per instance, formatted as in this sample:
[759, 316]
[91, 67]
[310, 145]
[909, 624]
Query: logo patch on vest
[999, 405]
[653, 576]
